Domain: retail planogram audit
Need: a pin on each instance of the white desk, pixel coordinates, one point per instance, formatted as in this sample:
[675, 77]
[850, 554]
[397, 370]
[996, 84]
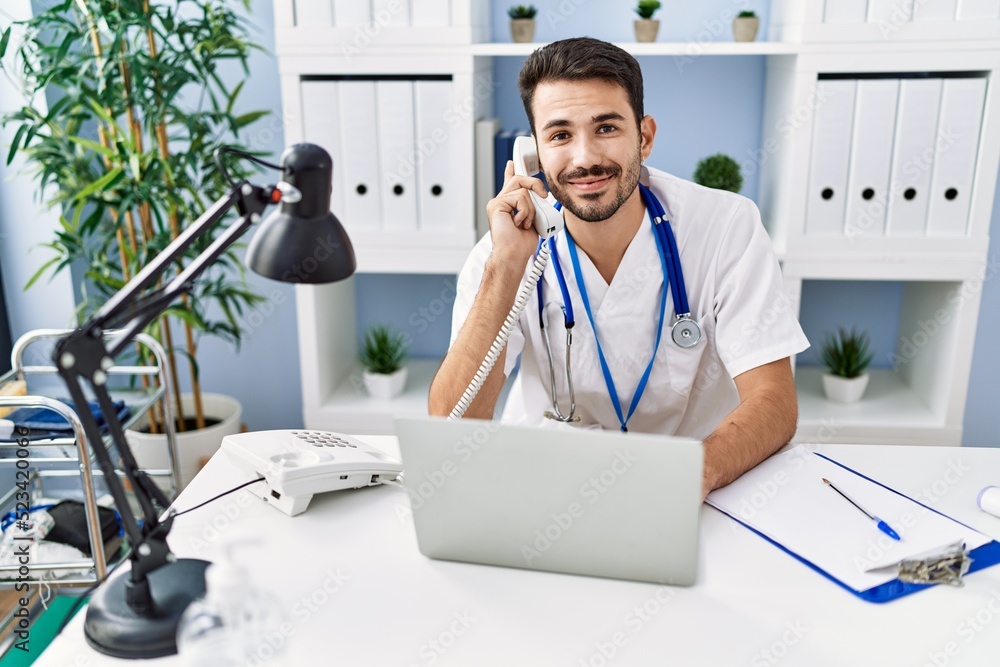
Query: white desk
[359, 593]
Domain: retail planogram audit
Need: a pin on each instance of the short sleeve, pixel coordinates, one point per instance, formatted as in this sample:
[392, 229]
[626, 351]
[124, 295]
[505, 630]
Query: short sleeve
[755, 324]
[469, 280]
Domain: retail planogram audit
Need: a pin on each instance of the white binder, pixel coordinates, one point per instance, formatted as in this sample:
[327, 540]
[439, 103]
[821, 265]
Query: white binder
[435, 186]
[321, 126]
[969, 10]
[955, 156]
[313, 13]
[351, 12]
[871, 152]
[430, 13]
[359, 141]
[397, 154]
[831, 152]
[888, 14]
[934, 10]
[394, 13]
[845, 11]
[913, 156]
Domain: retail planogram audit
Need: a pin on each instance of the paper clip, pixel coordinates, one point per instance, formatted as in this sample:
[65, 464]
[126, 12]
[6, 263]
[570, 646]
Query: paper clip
[945, 567]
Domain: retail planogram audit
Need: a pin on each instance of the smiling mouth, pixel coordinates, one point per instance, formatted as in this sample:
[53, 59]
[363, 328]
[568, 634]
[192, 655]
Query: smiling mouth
[591, 186]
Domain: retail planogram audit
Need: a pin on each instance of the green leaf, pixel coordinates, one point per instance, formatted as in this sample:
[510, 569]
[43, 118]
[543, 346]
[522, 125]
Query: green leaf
[99, 184]
[248, 118]
[40, 272]
[4, 40]
[16, 142]
[90, 144]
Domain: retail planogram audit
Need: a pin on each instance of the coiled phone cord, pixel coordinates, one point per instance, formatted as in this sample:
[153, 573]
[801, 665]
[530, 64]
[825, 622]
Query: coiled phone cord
[537, 268]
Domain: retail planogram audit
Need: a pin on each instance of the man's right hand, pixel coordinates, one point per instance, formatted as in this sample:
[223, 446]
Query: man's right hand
[512, 215]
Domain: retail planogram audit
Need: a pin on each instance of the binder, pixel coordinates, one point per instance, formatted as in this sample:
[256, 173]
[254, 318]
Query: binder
[913, 156]
[425, 13]
[351, 13]
[934, 10]
[969, 10]
[871, 153]
[313, 13]
[436, 194]
[321, 126]
[957, 143]
[486, 132]
[845, 11]
[890, 13]
[394, 13]
[359, 141]
[837, 541]
[831, 153]
[397, 155]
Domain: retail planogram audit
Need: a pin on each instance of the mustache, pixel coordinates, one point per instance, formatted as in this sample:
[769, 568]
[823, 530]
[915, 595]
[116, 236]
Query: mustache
[593, 172]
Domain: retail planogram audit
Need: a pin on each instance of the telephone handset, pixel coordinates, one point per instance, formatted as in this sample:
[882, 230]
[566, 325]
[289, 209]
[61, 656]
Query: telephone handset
[548, 220]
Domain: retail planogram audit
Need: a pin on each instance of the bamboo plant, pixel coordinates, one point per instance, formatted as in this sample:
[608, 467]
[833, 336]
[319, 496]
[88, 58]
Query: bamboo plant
[143, 92]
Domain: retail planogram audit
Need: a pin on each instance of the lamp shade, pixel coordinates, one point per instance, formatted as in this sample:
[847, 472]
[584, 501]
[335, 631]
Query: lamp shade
[303, 242]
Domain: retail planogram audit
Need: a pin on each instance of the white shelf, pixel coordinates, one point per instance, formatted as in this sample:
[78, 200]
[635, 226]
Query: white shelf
[889, 413]
[349, 409]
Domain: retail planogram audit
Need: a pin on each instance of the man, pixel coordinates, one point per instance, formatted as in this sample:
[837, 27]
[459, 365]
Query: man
[733, 389]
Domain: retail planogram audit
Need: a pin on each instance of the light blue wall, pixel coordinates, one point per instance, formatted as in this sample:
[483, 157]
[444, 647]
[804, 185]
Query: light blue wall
[703, 105]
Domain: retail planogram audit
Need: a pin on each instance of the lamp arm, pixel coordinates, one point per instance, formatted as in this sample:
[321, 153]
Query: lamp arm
[82, 359]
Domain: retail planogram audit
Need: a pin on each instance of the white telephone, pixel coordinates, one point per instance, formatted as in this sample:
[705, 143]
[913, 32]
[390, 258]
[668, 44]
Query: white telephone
[548, 220]
[297, 464]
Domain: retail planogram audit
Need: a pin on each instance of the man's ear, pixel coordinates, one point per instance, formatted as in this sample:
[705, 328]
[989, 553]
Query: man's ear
[647, 132]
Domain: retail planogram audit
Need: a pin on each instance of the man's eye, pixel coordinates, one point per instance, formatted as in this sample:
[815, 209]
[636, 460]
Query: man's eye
[605, 129]
[559, 136]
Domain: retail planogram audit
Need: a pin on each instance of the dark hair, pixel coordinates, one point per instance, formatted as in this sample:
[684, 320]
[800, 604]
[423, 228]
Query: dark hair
[580, 59]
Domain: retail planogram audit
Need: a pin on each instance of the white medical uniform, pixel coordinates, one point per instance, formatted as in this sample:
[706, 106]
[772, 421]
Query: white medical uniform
[735, 292]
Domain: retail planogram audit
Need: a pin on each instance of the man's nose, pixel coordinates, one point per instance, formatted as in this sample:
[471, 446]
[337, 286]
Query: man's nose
[586, 153]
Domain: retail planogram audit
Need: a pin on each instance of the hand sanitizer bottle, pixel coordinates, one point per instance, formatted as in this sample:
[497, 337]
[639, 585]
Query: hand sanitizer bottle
[229, 625]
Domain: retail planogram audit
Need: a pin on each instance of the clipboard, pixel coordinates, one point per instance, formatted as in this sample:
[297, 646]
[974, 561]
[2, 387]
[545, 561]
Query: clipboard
[982, 556]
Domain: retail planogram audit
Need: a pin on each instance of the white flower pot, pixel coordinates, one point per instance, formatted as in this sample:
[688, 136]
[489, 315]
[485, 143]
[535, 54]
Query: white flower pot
[844, 390]
[381, 385]
[745, 29]
[194, 448]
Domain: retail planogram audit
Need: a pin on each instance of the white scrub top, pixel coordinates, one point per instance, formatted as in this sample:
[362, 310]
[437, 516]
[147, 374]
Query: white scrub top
[735, 292]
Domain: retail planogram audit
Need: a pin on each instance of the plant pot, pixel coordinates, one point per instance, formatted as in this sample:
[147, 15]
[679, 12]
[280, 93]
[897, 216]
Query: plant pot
[646, 29]
[844, 390]
[193, 447]
[522, 30]
[745, 29]
[382, 385]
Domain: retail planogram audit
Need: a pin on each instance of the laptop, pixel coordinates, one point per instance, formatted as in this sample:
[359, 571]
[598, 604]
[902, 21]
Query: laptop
[599, 503]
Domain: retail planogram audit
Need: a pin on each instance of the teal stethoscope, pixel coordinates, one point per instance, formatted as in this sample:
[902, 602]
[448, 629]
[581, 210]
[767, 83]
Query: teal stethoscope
[685, 332]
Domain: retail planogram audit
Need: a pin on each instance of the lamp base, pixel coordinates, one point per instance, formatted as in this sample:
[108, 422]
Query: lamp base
[113, 628]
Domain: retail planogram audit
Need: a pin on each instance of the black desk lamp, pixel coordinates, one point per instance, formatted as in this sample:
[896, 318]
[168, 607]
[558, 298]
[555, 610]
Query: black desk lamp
[135, 613]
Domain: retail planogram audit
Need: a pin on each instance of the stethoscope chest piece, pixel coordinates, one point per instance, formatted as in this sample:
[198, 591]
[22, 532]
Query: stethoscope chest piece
[685, 332]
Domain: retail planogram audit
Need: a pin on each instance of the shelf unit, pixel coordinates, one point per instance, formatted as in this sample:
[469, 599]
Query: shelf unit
[924, 403]
[72, 457]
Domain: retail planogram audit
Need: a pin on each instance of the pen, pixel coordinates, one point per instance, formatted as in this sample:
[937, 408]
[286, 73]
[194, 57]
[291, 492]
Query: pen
[882, 525]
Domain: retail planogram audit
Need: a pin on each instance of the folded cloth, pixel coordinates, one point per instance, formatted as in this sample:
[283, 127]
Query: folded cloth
[38, 423]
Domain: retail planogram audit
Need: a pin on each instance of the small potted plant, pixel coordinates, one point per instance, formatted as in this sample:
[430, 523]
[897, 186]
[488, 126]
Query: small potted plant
[745, 26]
[646, 26]
[383, 354]
[846, 356]
[719, 171]
[522, 22]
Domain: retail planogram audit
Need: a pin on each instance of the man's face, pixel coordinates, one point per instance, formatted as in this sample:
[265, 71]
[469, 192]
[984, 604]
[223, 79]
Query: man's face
[589, 146]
